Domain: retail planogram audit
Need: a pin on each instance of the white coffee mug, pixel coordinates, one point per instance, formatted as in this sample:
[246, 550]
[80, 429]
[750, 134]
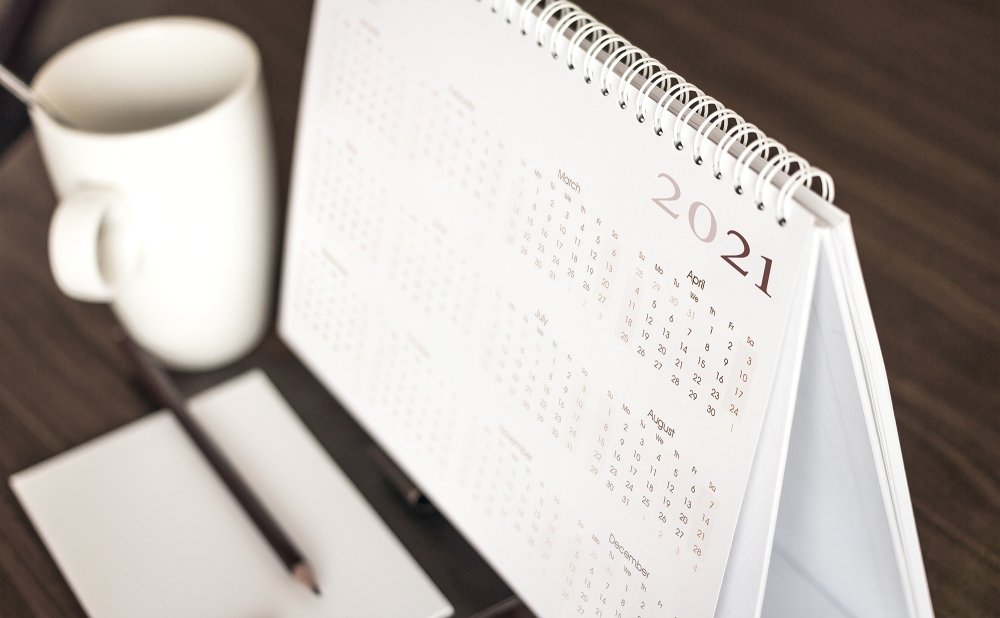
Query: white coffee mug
[166, 182]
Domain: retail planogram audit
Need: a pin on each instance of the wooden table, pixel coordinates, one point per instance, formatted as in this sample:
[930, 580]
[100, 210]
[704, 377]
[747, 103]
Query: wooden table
[899, 103]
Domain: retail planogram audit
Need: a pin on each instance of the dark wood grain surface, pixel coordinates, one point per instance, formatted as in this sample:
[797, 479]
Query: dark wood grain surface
[898, 101]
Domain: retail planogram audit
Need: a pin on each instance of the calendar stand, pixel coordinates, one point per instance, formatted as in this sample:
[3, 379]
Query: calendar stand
[586, 338]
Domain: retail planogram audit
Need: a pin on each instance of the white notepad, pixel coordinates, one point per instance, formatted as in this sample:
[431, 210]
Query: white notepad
[140, 525]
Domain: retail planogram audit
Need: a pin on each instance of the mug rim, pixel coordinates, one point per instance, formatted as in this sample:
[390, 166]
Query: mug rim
[243, 87]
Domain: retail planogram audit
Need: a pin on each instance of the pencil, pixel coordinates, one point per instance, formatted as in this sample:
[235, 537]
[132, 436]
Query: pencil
[167, 395]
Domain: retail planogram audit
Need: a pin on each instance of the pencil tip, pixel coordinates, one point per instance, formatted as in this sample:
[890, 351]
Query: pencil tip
[304, 575]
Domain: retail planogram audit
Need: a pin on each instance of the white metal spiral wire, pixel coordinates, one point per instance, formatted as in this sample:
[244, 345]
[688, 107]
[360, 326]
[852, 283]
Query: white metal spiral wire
[687, 104]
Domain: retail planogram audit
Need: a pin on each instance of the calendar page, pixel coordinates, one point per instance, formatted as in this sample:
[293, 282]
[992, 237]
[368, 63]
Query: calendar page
[560, 326]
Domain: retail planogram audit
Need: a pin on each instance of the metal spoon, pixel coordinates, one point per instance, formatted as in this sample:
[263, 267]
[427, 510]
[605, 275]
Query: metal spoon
[22, 91]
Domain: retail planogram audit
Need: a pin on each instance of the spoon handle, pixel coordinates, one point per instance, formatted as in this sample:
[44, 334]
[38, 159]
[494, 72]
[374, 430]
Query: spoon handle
[22, 91]
[16, 87]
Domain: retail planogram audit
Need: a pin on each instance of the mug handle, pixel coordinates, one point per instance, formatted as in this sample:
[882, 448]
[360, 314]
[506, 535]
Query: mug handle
[93, 246]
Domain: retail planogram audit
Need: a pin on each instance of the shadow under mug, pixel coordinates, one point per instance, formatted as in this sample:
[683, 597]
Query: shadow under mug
[166, 180]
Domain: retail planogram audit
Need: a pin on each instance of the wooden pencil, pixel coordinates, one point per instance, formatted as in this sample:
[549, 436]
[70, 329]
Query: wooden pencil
[163, 389]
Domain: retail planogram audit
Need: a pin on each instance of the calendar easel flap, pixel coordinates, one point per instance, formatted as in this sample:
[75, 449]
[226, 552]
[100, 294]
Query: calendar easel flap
[747, 570]
[870, 367]
[793, 593]
[838, 522]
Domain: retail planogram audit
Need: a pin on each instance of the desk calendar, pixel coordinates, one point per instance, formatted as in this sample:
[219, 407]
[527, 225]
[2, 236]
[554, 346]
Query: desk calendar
[621, 341]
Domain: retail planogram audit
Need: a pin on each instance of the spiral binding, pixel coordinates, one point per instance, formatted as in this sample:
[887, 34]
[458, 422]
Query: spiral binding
[565, 17]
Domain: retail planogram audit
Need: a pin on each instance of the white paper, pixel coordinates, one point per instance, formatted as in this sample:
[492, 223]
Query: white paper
[483, 263]
[140, 525]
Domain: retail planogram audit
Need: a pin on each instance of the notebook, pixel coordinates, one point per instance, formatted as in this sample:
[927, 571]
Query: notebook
[140, 525]
[617, 334]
